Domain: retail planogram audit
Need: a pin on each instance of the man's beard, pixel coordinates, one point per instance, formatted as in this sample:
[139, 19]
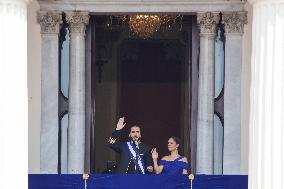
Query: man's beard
[135, 139]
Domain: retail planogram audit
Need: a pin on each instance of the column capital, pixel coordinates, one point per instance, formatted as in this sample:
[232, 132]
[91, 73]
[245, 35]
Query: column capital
[207, 22]
[49, 21]
[234, 22]
[77, 21]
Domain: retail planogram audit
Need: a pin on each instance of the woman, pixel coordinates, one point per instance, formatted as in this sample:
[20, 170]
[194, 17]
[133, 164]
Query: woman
[173, 163]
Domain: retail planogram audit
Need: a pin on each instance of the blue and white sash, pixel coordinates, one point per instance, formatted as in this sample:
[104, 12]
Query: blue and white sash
[136, 157]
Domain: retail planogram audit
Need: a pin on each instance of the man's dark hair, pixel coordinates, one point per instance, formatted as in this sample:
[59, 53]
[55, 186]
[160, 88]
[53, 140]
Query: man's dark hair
[135, 126]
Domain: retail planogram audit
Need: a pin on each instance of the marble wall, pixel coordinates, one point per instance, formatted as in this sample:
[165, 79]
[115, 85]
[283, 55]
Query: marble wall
[34, 87]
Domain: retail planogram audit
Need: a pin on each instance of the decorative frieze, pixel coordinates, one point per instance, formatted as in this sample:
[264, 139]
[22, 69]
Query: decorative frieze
[49, 21]
[77, 21]
[234, 22]
[158, 6]
[207, 22]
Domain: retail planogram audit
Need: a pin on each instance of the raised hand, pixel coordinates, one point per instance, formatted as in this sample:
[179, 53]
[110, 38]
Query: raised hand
[155, 154]
[120, 124]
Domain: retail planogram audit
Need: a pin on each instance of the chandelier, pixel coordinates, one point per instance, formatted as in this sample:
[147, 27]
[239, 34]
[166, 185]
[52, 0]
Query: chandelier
[145, 26]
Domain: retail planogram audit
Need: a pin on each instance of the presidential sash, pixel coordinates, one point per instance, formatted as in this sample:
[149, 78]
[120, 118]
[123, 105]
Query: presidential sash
[137, 160]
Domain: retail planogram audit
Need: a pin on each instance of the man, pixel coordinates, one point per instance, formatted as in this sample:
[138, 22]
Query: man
[135, 157]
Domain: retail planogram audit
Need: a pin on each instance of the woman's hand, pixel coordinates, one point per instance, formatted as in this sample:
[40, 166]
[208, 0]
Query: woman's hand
[120, 124]
[155, 154]
[158, 169]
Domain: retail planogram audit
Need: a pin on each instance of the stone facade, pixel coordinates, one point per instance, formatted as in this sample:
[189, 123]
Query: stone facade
[77, 15]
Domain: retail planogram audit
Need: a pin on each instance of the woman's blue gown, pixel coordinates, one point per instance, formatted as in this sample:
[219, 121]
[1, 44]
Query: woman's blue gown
[174, 167]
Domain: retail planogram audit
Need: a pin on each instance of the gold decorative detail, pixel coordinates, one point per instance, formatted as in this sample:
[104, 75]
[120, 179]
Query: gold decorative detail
[191, 178]
[112, 140]
[146, 25]
[85, 178]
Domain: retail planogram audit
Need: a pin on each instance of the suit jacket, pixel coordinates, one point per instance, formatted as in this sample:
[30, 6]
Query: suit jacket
[126, 164]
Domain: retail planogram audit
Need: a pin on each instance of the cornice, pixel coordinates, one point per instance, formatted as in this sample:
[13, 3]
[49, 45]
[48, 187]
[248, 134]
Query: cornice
[147, 6]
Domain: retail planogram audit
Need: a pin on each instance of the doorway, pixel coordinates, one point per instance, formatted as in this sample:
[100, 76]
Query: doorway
[146, 81]
[150, 88]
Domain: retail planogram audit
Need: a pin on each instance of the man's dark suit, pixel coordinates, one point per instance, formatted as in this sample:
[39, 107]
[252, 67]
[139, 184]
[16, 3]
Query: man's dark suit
[126, 164]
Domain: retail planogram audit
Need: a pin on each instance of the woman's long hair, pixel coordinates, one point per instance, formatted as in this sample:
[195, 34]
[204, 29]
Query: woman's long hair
[180, 147]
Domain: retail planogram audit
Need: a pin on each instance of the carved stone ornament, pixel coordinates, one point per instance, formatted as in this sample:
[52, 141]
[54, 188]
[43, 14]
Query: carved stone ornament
[49, 22]
[77, 21]
[207, 22]
[234, 22]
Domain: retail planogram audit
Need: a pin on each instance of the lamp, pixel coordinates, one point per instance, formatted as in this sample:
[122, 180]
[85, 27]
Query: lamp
[146, 25]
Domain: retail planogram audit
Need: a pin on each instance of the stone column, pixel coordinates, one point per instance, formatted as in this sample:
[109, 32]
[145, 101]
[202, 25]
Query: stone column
[266, 129]
[234, 23]
[76, 130]
[49, 22]
[207, 29]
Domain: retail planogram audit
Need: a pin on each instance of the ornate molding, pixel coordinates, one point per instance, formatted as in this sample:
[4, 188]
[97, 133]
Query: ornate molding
[77, 21]
[207, 22]
[132, 6]
[267, 2]
[49, 21]
[234, 22]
